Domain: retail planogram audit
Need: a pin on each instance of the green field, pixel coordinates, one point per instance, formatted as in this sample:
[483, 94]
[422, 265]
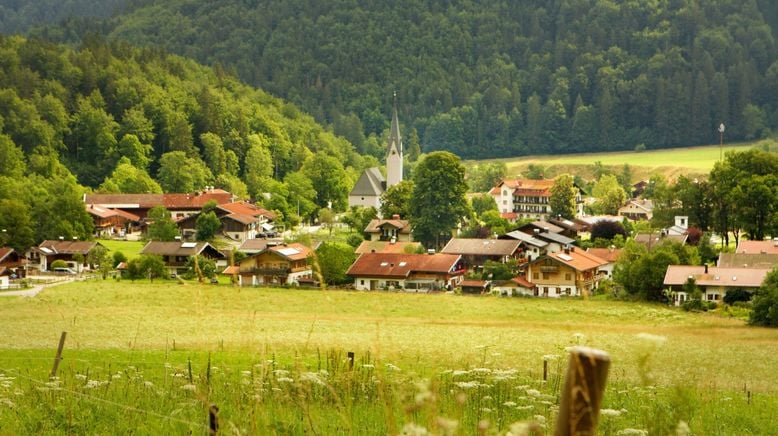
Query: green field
[692, 161]
[137, 357]
[131, 249]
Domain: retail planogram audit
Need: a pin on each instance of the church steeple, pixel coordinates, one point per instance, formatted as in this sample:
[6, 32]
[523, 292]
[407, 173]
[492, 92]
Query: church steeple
[394, 152]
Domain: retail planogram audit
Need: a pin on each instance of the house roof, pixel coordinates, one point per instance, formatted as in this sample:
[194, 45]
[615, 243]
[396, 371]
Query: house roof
[523, 282]
[576, 259]
[374, 226]
[293, 251]
[386, 247]
[588, 221]
[541, 225]
[747, 260]
[104, 212]
[370, 183]
[654, 238]
[482, 247]
[755, 247]
[565, 224]
[554, 237]
[642, 204]
[474, 283]
[401, 265]
[241, 218]
[610, 255]
[231, 270]
[67, 247]
[727, 277]
[523, 237]
[5, 252]
[178, 248]
[525, 187]
[139, 201]
[196, 200]
[510, 216]
[256, 245]
[245, 208]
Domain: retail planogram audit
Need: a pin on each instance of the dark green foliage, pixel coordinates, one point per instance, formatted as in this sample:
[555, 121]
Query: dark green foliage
[161, 227]
[488, 78]
[59, 263]
[641, 272]
[397, 200]
[355, 240]
[607, 230]
[482, 203]
[734, 295]
[765, 311]
[118, 257]
[438, 202]
[207, 225]
[498, 270]
[206, 266]
[333, 260]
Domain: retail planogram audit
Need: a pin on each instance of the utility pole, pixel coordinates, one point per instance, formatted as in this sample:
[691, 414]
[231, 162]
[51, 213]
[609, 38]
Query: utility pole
[721, 141]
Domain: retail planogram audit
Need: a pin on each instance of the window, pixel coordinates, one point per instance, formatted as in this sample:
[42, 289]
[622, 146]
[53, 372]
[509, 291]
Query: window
[362, 282]
[568, 276]
[567, 291]
[545, 276]
[535, 276]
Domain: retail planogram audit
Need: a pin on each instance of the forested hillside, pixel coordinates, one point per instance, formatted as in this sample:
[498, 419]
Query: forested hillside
[17, 16]
[493, 77]
[119, 119]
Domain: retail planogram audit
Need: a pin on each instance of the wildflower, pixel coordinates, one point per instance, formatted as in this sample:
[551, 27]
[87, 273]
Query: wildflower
[486, 410]
[368, 366]
[6, 402]
[459, 372]
[533, 392]
[446, 426]
[467, 385]
[550, 357]
[80, 376]
[656, 340]
[519, 429]
[245, 373]
[509, 404]
[311, 377]
[540, 419]
[527, 407]
[610, 412]
[411, 429]
[481, 371]
[391, 367]
[635, 431]
[423, 394]
[91, 384]
[682, 429]
[281, 373]
[189, 387]
[116, 376]
[148, 384]
[285, 380]
[487, 398]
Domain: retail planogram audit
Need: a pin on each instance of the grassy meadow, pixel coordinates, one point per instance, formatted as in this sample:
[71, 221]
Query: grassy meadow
[689, 161]
[152, 357]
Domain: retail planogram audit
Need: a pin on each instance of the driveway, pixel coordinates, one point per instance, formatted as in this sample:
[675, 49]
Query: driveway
[33, 291]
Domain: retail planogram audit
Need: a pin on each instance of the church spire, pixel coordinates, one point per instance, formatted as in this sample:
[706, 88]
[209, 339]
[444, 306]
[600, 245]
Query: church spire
[394, 152]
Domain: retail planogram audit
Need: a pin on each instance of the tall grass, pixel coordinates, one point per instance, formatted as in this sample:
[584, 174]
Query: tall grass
[274, 361]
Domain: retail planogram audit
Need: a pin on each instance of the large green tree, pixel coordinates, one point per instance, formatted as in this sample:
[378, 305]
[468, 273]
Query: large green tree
[397, 200]
[563, 194]
[438, 203]
[161, 226]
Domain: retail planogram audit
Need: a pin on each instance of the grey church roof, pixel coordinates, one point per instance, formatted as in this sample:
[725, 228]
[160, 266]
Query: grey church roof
[395, 139]
[370, 183]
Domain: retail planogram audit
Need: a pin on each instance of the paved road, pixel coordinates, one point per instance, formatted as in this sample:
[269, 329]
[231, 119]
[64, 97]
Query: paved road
[34, 290]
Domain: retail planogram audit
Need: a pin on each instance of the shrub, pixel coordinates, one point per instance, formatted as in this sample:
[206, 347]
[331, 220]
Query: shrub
[59, 263]
[355, 240]
[765, 311]
[737, 295]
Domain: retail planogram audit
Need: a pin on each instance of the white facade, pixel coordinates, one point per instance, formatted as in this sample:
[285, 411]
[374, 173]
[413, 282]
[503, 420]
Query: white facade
[365, 201]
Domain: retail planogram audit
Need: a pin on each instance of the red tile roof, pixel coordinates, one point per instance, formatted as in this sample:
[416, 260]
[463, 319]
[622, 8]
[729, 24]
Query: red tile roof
[5, 251]
[104, 212]
[67, 247]
[401, 265]
[576, 259]
[727, 277]
[522, 281]
[244, 208]
[125, 200]
[611, 255]
[386, 247]
[482, 247]
[196, 200]
[294, 251]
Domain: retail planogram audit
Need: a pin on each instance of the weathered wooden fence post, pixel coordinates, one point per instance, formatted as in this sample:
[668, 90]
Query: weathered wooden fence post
[350, 356]
[213, 419]
[579, 407]
[545, 370]
[59, 354]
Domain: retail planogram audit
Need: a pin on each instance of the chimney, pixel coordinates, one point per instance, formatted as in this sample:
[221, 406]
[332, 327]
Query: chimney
[536, 231]
[706, 268]
[396, 217]
[431, 251]
[567, 250]
[572, 249]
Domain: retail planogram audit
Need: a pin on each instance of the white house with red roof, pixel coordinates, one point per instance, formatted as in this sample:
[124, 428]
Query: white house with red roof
[527, 198]
[572, 272]
[284, 264]
[410, 272]
[394, 229]
[714, 282]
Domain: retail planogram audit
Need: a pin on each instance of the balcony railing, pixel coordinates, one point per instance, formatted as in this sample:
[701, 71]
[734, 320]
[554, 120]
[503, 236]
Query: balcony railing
[269, 271]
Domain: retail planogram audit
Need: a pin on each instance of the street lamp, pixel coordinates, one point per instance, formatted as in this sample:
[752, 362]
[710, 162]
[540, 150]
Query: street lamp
[721, 140]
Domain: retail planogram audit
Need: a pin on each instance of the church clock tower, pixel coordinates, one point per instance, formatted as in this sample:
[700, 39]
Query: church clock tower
[394, 152]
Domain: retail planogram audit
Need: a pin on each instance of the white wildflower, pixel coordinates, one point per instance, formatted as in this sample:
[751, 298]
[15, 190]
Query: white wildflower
[509, 404]
[423, 393]
[91, 384]
[540, 419]
[460, 372]
[116, 376]
[368, 366]
[682, 429]
[80, 376]
[467, 385]
[550, 357]
[281, 373]
[245, 373]
[610, 412]
[189, 387]
[487, 398]
[519, 429]
[393, 368]
[411, 429]
[311, 377]
[635, 431]
[486, 410]
[148, 384]
[533, 392]
[483, 371]
[656, 340]
[446, 426]
[285, 380]
[527, 407]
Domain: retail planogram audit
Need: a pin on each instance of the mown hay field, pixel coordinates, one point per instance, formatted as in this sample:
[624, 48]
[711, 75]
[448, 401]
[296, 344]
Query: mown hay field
[161, 352]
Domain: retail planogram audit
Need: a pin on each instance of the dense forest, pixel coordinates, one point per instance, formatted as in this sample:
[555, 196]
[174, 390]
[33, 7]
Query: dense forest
[489, 78]
[114, 118]
[17, 16]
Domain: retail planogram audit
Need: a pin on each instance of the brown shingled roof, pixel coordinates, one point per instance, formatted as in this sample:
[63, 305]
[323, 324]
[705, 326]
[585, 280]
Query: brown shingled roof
[611, 255]
[757, 247]
[576, 259]
[484, 247]
[728, 277]
[374, 225]
[68, 247]
[178, 248]
[385, 247]
[401, 265]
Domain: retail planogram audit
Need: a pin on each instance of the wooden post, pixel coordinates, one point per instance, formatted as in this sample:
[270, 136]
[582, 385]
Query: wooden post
[579, 407]
[545, 370]
[59, 354]
[213, 419]
[350, 355]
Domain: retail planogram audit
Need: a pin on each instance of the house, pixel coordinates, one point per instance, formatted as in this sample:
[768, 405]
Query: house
[609, 255]
[637, 210]
[12, 263]
[240, 221]
[713, 282]
[748, 260]
[680, 227]
[411, 272]
[516, 286]
[531, 247]
[475, 286]
[180, 205]
[528, 198]
[556, 241]
[639, 187]
[540, 226]
[571, 272]
[254, 246]
[475, 252]
[569, 227]
[74, 253]
[388, 247]
[112, 222]
[653, 239]
[175, 254]
[284, 264]
[394, 229]
[757, 247]
[371, 184]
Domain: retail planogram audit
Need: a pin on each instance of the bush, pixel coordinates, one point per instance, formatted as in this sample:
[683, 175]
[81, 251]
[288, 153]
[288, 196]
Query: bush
[737, 295]
[355, 240]
[765, 301]
[59, 263]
